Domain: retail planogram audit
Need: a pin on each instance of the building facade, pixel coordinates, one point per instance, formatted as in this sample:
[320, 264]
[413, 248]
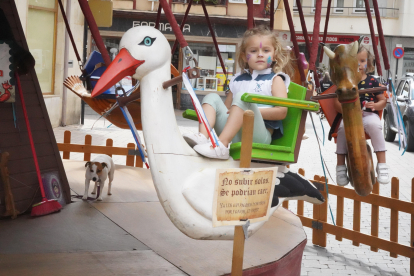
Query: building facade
[55, 58]
[348, 21]
[49, 44]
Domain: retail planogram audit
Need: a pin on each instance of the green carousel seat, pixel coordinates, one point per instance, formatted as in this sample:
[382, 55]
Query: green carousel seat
[286, 148]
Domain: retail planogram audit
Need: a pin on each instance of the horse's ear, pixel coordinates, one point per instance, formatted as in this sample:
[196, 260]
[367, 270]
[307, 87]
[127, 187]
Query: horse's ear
[329, 52]
[361, 38]
[354, 49]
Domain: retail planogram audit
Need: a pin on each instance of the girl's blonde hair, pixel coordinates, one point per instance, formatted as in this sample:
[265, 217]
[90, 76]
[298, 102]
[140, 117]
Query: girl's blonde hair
[370, 58]
[282, 57]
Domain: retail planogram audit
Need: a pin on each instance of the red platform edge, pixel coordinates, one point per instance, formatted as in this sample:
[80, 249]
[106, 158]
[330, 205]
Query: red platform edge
[288, 265]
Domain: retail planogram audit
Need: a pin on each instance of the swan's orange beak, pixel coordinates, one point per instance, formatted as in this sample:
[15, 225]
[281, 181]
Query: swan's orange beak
[123, 65]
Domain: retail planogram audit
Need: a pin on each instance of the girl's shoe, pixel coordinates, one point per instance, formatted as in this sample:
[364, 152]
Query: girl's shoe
[341, 176]
[194, 139]
[382, 172]
[207, 150]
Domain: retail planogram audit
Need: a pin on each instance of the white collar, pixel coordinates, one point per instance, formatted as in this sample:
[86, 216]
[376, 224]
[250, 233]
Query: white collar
[259, 72]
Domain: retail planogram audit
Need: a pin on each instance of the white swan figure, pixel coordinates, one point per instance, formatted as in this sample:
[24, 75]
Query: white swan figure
[184, 180]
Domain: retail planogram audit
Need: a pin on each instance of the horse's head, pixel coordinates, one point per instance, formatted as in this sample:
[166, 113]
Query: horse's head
[344, 70]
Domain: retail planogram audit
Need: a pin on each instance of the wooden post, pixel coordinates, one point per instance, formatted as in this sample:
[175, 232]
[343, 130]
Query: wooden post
[357, 219]
[109, 144]
[412, 229]
[130, 158]
[66, 140]
[395, 193]
[300, 202]
[316, 218]
[285, 204]
[88, 142]
[138, 160]
[245, 161]
[323, 216]
[375, 216]
[339, 213]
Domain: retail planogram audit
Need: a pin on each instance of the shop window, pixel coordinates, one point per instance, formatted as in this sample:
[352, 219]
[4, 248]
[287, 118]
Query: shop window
[41, 39]
[359, 6]
[339, 6]
[295, 7]
[408, 61]
[212, 77]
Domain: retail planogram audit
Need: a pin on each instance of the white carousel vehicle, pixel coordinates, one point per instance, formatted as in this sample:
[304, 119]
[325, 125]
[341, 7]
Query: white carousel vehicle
[183, 179]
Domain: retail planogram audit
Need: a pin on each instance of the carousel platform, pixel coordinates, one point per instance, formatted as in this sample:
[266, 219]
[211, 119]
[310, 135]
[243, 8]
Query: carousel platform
[128, 233]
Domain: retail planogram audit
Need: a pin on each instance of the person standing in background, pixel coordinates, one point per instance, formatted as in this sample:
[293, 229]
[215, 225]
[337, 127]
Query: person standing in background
[326, 82]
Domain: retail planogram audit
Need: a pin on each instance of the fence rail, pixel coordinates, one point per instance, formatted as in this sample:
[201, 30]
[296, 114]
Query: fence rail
[130, 152]
[320, 226]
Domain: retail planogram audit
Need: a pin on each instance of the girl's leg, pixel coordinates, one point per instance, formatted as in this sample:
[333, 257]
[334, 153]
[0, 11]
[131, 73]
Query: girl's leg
[228, 127]
[211, 117]
[341, 151]
[232, 126]
[232, 130]
[372, 126]
[340, 159]
[216, 114]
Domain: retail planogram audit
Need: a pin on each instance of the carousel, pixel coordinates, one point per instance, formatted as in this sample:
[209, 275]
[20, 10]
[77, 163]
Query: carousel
[178, 215]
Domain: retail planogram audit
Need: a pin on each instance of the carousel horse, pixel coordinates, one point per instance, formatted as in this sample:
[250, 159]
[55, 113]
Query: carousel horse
[183, 179]
[345, 75]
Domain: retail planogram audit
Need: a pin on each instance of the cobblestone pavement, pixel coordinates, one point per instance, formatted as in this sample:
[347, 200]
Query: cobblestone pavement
[338, 258]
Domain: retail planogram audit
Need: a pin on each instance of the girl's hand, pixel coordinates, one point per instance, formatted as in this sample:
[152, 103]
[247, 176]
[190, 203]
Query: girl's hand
[370, 105]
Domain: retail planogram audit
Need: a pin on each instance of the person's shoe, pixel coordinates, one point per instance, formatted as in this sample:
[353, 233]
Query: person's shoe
[305, 136]
[341, 176]
[207, 150]
[383, 174]
[194, 139]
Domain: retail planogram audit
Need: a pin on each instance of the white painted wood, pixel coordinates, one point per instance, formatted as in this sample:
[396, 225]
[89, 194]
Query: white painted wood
[174, 165]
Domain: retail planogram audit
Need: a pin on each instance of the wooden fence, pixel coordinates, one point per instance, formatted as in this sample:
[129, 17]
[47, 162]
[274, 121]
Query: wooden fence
[130, 152]
[321, 227]
[319, 221]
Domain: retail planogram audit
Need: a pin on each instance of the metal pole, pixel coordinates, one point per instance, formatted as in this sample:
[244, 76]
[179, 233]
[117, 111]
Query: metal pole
[65, 66]
[396, 73]
[85, 46]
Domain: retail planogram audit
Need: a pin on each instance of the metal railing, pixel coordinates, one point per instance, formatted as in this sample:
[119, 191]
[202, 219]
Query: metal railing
[208, 2]
[350, 11]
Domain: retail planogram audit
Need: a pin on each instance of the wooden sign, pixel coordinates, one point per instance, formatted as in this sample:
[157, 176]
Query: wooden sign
[7, 88]
[243, 194]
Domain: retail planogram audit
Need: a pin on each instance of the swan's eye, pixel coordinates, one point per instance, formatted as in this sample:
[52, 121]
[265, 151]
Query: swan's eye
[148, 41]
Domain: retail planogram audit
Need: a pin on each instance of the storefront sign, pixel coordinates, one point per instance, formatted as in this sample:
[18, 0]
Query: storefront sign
[123, 24]
[164, 27]
[243, 194]
[256, 2]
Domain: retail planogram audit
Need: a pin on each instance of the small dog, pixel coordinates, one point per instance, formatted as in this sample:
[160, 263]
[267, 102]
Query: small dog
[98, 170]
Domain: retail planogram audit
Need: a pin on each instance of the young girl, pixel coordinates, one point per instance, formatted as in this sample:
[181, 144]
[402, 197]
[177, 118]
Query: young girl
[370, 105]
[262, 58]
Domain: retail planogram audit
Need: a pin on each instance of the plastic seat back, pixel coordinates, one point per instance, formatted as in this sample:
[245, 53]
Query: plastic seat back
[282, 150]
